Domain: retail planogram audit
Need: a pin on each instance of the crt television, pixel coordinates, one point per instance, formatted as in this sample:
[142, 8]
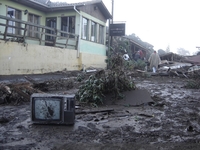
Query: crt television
[52, 109]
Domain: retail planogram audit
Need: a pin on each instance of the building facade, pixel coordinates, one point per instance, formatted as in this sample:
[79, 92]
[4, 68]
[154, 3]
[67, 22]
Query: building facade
[76, 32]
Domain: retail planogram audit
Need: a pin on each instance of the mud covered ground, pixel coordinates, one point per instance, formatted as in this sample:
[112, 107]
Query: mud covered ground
[172, 122]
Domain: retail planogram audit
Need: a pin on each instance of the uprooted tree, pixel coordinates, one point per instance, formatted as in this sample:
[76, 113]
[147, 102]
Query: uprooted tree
[114, 81]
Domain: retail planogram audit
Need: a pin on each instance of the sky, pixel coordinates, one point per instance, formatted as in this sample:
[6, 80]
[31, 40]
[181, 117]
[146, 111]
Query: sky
[162, 23]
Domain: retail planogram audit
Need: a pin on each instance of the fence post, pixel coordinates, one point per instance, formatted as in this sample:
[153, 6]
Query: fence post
[25, 30]
[41, 36]
[6, 29]
[54, 43]
[67, 40]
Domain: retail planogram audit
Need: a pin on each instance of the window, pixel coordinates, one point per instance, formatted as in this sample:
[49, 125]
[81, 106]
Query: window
[50, 22]
[93, 31]
[101, 34]
[31, 29]
[68, 25]
[15, 14]
[85, 29]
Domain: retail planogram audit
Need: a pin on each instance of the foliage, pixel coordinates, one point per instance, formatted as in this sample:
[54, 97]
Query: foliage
[183, 52]
[161, 52]
[102, 82]
[167, 49]
[139, 64]
[80, 77]
[195, 82]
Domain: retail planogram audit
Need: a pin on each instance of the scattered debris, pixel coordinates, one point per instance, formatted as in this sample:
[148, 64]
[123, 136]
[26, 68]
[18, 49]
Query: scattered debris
[53, 85]
[95, 111]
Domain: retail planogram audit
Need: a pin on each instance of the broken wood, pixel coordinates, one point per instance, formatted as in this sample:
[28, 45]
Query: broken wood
[5, 89]
[141, 71]
[94, 111]
[145, 115]
[24, 95]
[30, 79]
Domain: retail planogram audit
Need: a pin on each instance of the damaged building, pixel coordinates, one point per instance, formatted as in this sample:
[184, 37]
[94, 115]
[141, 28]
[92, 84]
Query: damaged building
[40, 36]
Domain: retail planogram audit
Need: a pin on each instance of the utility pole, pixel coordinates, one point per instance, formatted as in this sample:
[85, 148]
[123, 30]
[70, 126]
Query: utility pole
[110, 37]
[112, 21]
[112, 10]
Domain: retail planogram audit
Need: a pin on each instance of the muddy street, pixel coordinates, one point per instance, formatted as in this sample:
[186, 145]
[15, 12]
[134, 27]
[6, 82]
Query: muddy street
[170, 121]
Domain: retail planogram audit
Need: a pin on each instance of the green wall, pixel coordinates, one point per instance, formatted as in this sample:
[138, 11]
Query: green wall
[93, 48]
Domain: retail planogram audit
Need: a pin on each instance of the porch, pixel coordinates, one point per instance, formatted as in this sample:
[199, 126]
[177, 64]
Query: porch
[26, 32]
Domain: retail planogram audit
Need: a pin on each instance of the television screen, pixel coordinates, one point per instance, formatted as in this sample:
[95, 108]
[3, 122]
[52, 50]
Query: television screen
[52, 108]
[47, 108]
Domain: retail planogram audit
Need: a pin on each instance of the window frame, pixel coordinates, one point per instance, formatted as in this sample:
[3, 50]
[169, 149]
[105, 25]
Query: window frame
[85, 30]
[93, 31]
[48, 37]
[70, 27]
[12, 30]
[34, 18]
[101, 34]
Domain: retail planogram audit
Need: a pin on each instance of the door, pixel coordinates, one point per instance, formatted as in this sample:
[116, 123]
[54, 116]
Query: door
[50, 22]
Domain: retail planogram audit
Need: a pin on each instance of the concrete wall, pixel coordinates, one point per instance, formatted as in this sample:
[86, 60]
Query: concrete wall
[15, 58]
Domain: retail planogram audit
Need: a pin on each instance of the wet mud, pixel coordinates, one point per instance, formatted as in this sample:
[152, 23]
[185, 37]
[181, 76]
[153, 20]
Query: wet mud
[171, 121]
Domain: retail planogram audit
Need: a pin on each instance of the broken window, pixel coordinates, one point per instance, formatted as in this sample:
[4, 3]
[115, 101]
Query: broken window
[68, 25]
[31, 29]
[85, 29]
[93, 31]
[101, 34]
[15, 14]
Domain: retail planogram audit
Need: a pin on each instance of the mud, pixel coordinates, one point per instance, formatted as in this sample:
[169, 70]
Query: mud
[171, 121]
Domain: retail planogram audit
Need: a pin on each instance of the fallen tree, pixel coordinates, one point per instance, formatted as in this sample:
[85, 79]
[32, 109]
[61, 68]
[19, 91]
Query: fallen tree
[114, 81]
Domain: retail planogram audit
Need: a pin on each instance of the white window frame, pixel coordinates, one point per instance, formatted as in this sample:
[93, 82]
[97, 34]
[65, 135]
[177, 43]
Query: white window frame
[15, 14]
[101, 34]
[93, 36]
[85, 28]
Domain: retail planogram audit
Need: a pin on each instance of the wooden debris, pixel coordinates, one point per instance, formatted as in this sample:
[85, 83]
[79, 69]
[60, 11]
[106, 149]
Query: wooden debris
[29, 79]
[94, 111]
[146, 115]
[5, 88]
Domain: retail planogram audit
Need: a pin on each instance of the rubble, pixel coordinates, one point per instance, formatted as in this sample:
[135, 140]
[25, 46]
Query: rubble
[171, 117]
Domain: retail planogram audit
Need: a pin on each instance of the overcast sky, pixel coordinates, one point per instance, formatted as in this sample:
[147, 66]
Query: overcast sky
[159, 22]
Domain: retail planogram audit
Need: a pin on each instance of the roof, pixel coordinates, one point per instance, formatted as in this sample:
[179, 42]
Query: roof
[47, 5]
[136, 43]
[193, 59]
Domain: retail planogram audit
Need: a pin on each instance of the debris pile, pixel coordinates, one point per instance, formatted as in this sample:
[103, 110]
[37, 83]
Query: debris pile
[16, 93]
[21, 92]
[53, 85]
[114, 81]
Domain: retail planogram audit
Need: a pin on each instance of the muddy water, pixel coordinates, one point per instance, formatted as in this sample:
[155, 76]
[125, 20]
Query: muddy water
[172, 122]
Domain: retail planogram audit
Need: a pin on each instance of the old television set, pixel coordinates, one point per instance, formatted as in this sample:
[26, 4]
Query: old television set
[52, 109]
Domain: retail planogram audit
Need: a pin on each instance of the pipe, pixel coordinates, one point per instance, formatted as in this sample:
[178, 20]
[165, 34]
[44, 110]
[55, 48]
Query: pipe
[79, 40]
